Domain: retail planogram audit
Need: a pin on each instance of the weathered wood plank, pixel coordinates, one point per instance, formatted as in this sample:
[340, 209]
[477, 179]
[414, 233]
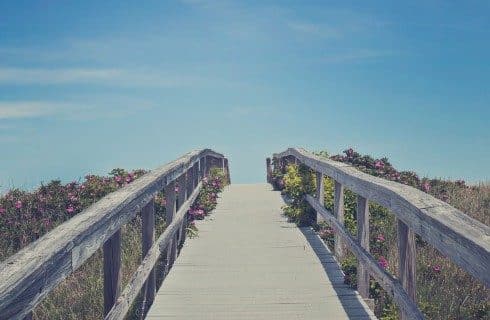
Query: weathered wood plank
[148, 237]
[338, 210]
[320, 193]
[456, 235]
[112, 270]
[227, 171]
[268, 169]
[170, 210]
[138, 279]
[363, 238]
[30, 274]
[391, 285]
[407, 261]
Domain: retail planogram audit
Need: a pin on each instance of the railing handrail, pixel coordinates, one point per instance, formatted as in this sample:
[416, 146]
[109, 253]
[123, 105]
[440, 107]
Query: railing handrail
[461, 238]
[30, 274]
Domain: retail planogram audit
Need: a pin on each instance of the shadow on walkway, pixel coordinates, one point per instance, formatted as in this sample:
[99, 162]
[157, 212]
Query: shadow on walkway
[349, 298]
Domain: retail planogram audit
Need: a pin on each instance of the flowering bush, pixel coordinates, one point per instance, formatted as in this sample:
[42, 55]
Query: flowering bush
[433, 270]
[26, 216]
[206, 201]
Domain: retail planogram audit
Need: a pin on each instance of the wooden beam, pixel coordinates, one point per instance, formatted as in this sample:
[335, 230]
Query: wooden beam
[227, 172]
[112, 270]
[268, 170]
[338, 210]
[320, 193]
[148, 237]
[363, 238]
[170, 209]
[407, 261]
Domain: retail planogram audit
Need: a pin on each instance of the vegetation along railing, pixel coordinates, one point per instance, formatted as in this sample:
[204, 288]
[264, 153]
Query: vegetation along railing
[28, 276]
[462, 239]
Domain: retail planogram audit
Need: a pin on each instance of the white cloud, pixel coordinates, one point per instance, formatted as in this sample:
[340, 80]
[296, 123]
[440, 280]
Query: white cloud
[70, 110]
[102, 76]
[26, 109]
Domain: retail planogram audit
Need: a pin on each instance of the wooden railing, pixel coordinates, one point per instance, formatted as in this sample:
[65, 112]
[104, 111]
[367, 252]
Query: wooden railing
[462, 239]
[29, 275]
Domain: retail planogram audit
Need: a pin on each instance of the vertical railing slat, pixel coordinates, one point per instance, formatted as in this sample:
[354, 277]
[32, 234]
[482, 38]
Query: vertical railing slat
[112, 270]
[320, 194]
[363, 238]
[338, 211]
[170, 210]
[268, 170]
[148, 237]
[407, 260]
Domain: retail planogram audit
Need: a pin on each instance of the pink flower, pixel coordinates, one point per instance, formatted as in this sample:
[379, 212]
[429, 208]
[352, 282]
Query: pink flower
[437, 268]
[118, 179]
[18, 204]
[128, 179]
[2, 210]
[383, 263]
[380, 238]
[426, 186]
[378, 164]
[176, 189]
[70, 209]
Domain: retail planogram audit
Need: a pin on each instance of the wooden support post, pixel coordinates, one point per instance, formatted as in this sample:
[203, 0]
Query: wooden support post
[338, 211]
[227, 168]
[407, 261]
[268, 170]
[170, 212]
[363, 238]
[201, 168]
[112, 270]
[148, 237]
[181, 197]
[207, 163]
[189, 182]
[320, 194]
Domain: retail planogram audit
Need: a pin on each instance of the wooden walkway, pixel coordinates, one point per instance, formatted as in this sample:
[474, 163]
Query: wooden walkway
[250, 263]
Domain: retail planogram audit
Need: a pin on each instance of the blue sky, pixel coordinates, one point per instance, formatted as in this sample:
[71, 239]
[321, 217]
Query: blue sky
[86, 86]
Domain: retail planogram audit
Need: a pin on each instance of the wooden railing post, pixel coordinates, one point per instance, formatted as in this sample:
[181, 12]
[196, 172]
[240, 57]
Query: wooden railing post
[112, 270]
[338, 211]
[170, 209]
[320, 194]
[148, 237]
[207, 163]
[227, 172]
[268, 170]
[407, 260]
[363, 238]
[196, 175]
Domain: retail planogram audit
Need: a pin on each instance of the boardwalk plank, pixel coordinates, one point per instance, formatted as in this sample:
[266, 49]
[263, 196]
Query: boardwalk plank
[250, 263]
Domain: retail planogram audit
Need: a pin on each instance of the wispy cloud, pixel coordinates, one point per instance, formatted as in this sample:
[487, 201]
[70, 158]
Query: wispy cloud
[101, 76]
[71, 110]
[26, 109]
